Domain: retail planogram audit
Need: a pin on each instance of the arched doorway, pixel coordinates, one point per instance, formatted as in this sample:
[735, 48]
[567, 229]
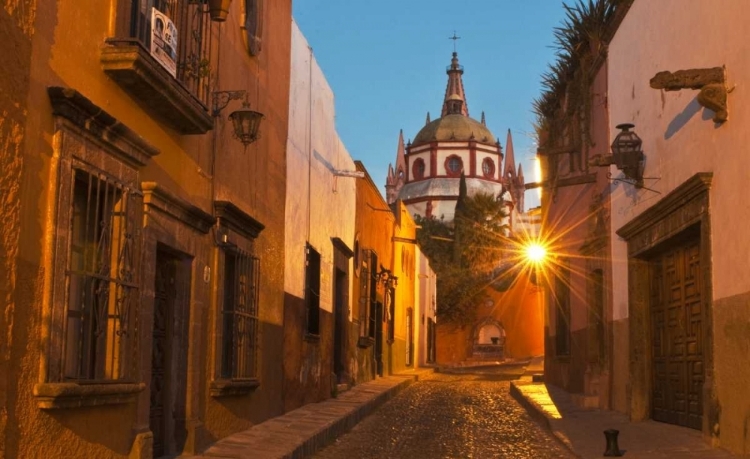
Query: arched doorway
[488, 340]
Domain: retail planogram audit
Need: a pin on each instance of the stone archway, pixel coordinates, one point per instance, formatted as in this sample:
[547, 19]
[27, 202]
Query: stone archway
[488, 341]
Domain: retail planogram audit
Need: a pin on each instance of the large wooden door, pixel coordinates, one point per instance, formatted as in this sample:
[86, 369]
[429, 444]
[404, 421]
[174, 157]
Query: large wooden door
[677, 336]
[164, 293]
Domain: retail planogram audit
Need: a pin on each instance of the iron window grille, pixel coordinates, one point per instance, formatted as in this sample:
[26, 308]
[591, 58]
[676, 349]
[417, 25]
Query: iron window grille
[312, 290]
[240, 315]
[101, 277]
[364, 296]
[368, 294]
[193, 24]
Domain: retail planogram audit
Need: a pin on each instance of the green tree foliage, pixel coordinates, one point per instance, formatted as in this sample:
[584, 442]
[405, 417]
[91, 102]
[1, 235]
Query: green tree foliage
[465, 253]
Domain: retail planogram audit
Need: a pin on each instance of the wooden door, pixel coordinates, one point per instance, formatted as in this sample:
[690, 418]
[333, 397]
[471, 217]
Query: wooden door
[164, 293]
[677, 336]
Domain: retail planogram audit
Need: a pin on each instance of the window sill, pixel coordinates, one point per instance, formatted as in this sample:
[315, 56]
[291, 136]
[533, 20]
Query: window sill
[365, 341]
[230, 387]
[312, 338]
[129, 64]
[76, 395]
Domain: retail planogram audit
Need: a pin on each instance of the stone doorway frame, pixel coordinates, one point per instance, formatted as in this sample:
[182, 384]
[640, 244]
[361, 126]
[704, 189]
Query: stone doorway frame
[684, 207]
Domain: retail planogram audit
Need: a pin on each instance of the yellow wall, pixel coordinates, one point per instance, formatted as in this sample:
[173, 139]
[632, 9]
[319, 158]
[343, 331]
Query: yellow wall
[59, 44]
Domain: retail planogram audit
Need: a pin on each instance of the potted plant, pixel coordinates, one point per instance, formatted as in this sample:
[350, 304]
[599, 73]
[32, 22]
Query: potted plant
[219, 9]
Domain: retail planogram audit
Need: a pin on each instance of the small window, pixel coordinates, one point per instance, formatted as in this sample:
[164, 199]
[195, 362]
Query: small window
[357, 255]
[418, 169]
[253, 25]
[312, 291]
[453, 166]
[239, 335]
[101, 277]
[367, 294]
[488, 168]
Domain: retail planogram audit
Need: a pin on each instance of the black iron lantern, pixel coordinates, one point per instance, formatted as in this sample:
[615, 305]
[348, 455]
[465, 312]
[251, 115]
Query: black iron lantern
[627, 154]
[246, 124]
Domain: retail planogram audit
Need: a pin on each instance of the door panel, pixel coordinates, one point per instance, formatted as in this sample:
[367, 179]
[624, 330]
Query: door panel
[677, 344]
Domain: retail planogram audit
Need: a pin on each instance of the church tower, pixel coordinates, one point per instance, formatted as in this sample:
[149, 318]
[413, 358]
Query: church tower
[427, 171]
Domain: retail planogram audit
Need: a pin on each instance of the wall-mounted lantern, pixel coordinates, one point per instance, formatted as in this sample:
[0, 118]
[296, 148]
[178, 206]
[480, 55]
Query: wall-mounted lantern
[386, 277]
[218, 9]
[627, 154]
[246, 122]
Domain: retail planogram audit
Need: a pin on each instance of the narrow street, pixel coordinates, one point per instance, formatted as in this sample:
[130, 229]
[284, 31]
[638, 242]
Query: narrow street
[450, 416]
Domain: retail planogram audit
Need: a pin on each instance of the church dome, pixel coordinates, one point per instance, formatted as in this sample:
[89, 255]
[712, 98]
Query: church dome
[454, 127]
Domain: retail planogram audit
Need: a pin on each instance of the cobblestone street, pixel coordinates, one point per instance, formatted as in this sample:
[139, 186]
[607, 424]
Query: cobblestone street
[449, 416]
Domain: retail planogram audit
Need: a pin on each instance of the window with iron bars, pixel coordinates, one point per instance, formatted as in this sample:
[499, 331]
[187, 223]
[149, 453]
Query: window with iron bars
[312, 290]
[101, 277]
[368, 294]
[239, 337]
[193, 24]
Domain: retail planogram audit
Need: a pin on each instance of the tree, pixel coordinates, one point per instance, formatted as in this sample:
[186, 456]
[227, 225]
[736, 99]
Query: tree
[464, 254]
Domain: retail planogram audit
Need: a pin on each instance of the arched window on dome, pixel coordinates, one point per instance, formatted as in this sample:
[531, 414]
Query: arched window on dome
[418, 168]
[453, 165]
[488, 168]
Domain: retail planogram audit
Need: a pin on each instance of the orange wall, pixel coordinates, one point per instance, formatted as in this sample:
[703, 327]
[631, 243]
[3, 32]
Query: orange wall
[520, 310]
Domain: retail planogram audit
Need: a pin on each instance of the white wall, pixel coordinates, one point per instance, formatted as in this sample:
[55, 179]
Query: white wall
[679, 136]
[319, 205]
[424, 298]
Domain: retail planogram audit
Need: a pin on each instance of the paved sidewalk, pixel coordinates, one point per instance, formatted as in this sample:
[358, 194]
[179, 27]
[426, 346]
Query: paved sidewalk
[302, 432]
[581, 429]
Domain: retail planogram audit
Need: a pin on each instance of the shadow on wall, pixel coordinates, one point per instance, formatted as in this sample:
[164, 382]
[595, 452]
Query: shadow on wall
[683, 117]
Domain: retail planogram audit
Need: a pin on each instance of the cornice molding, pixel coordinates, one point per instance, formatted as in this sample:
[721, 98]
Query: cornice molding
[235, 219]
[158, 198]
[89, 117]
[691, 190]
[342, 247]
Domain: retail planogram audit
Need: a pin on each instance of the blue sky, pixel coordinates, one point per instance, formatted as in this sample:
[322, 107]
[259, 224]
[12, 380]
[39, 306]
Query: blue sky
[386, 61]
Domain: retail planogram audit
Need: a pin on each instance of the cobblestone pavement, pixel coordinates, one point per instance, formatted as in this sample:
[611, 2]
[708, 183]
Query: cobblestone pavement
[449, 416]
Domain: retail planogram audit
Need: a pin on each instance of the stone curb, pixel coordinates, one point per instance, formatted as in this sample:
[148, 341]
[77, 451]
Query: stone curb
[540, 416]
[331, 432]
[284, 437]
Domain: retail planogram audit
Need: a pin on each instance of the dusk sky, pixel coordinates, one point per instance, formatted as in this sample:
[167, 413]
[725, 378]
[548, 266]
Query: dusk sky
[386, 61]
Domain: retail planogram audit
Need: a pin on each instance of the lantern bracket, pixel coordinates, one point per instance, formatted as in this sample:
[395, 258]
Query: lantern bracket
[635, 183]
[222, 98]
